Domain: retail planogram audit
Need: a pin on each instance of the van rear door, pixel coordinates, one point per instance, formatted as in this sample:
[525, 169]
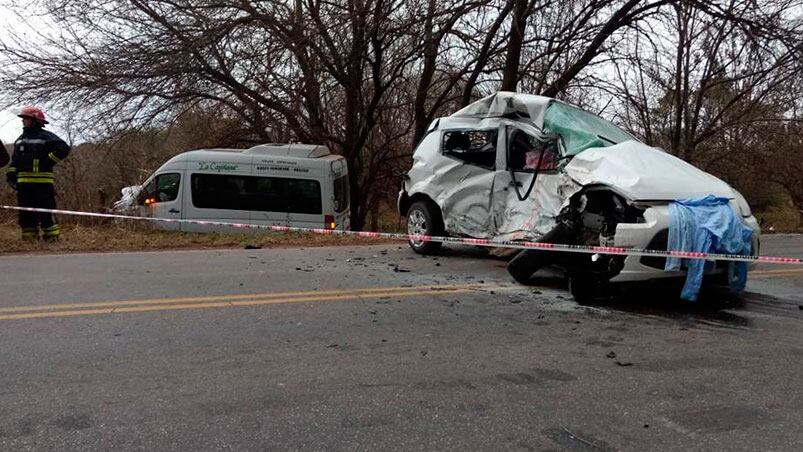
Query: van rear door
[341, 194]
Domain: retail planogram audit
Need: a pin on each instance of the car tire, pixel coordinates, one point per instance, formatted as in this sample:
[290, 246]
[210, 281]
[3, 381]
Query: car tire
[526, 263]
[423, 218]
[585, 289]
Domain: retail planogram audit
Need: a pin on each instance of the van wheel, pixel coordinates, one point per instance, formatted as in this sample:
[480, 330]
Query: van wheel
[424, 219]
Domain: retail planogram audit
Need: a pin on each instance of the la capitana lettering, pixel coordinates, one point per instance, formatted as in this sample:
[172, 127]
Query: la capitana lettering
[214, 166]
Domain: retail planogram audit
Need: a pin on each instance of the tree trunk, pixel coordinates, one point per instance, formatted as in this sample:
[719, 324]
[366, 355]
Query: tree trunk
[510, 76]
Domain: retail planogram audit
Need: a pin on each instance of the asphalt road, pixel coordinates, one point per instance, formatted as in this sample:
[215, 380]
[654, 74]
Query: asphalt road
[376, 348]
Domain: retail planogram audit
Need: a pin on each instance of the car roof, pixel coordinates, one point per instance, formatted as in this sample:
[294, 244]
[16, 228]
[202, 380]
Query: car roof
[506, 104]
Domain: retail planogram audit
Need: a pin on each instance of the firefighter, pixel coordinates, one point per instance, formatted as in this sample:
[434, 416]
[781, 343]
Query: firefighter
[36, 152]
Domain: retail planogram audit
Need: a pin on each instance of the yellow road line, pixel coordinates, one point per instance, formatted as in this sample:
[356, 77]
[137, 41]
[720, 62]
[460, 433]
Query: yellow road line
[783, 275]
[353, 295]
[785, 272]
[227, 298]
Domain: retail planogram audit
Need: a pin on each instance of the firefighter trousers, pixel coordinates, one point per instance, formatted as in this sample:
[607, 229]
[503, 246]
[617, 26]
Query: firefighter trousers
[41, 196]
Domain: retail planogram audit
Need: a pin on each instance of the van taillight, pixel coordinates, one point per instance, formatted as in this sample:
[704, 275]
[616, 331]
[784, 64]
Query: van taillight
[329, 222]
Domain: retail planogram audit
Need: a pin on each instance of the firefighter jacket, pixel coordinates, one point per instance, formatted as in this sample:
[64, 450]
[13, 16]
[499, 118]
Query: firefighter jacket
[36, 152]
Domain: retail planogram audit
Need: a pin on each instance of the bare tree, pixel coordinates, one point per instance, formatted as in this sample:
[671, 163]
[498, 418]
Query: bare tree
[366, 77]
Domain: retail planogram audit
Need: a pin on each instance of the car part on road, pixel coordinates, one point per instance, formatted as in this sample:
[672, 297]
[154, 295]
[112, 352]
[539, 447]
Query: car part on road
[424, 218]
[527, 262]
[590, 219]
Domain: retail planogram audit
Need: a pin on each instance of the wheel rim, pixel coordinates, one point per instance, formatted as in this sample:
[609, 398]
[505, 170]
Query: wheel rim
[416, 225]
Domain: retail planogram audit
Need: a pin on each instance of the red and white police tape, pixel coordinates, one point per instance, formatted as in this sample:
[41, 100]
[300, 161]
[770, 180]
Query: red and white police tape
[458, 240]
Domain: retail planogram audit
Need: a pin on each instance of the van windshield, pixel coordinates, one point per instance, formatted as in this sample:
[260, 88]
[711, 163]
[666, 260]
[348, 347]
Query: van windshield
[581, 130]
[341, 193]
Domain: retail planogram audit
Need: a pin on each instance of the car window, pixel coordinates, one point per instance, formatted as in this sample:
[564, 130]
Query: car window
[475, 147]
[530, 154]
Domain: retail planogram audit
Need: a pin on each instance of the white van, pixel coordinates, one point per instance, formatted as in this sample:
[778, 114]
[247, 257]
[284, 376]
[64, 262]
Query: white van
[299, 185]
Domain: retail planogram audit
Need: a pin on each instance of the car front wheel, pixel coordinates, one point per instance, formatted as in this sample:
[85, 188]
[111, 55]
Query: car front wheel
[424, 219]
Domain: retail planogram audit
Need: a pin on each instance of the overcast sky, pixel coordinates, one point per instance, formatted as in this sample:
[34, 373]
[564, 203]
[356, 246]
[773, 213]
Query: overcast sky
[10, 124]
[10, 127]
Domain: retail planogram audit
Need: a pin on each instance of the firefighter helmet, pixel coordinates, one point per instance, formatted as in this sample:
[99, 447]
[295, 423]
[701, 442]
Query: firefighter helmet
[33, 113]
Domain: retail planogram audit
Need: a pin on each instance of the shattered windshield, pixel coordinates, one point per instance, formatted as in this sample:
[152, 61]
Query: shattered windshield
[581, 130]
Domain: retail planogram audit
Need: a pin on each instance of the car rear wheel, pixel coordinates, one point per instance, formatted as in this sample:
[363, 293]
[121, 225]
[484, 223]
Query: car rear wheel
[424, 219]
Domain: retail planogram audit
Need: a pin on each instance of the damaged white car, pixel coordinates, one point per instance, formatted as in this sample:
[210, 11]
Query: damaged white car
[523, 167]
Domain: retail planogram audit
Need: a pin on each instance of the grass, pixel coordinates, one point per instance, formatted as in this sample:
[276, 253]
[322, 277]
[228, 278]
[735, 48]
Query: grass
[106, 237]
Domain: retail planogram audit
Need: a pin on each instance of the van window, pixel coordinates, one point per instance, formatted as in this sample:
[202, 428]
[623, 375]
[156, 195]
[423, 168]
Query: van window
[341, 194]
[167, 187]
[265, 194]
[475, 147]
[162, 188]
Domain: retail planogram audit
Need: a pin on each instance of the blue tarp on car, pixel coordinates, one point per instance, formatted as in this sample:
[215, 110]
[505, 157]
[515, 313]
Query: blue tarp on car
[708, 225]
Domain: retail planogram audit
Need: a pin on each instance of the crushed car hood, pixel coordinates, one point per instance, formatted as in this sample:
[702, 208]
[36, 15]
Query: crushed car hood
[643, 173]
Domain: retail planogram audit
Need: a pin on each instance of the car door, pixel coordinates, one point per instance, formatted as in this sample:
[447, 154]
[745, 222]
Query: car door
[527, 184]
[465, 179]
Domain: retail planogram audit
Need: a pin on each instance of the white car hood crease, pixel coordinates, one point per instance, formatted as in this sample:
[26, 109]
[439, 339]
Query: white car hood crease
[643, 173]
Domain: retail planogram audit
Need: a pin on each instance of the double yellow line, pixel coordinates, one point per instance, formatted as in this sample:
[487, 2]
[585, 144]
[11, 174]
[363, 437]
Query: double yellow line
[223, 301]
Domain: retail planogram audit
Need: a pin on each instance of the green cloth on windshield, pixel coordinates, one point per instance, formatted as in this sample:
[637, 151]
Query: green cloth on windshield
[581, 130]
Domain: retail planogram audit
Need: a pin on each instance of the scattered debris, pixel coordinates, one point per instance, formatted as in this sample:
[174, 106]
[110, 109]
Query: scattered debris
[424, 352]
[591, 444]
[623, 364]
[332, 345]
[398, 269]
[611, 355]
